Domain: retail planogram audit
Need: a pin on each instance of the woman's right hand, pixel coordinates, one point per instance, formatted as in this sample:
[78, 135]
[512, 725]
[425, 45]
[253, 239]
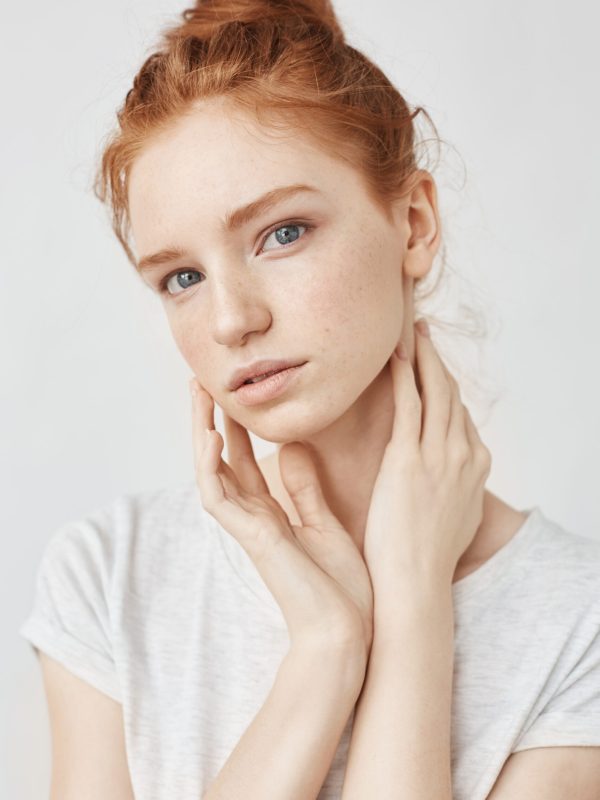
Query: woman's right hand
[314, 570]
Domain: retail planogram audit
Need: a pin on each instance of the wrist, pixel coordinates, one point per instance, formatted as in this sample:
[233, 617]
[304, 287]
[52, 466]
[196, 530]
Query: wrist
[345, 659]
[418, 599]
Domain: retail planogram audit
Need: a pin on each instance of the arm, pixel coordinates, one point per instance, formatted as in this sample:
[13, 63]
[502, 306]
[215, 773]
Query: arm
[554, 773]
[284, 754]
[400, 746]
[287, 750]
[426, 506]
[89, 757]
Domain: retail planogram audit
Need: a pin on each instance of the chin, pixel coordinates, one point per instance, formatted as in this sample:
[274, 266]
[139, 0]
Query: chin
[288, 423]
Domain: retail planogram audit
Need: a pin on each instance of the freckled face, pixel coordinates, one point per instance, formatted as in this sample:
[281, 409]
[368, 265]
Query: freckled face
[325, 287]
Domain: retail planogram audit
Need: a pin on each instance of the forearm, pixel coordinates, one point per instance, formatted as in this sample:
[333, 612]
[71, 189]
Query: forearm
[400, 746]
[287, 750]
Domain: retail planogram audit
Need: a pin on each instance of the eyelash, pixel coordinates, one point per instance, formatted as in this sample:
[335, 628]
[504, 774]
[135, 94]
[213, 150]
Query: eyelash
[308, 227]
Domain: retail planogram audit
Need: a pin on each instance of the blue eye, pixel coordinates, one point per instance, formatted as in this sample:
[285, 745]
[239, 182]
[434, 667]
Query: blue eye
[288, 233]
[184, 275]
[181, 274]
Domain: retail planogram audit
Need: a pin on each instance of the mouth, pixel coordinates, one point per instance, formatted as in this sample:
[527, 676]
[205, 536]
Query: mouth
[268, 386]
[259, 371]
[258, 378]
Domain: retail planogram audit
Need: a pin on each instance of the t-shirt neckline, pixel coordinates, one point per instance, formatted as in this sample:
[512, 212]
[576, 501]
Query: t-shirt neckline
[499, 561]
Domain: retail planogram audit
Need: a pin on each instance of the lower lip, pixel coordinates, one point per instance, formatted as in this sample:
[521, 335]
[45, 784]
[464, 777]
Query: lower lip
[250, 394]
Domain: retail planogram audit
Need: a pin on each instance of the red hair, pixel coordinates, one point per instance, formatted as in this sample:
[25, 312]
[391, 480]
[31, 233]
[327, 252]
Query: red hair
[287, 63]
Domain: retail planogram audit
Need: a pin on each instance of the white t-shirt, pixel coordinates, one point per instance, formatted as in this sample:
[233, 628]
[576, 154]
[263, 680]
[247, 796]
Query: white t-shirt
[151, 601]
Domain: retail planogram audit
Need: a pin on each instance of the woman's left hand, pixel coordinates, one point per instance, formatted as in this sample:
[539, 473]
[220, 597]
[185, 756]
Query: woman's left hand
[427, 501]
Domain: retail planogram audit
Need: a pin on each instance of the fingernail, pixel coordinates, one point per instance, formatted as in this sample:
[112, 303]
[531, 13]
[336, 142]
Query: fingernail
[423, 327]
[400, 351]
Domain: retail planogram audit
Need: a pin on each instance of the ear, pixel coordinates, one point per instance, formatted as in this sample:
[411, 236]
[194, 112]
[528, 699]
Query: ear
[424, 225]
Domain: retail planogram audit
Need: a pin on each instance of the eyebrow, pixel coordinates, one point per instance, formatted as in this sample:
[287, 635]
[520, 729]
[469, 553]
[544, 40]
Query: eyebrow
[233, 220]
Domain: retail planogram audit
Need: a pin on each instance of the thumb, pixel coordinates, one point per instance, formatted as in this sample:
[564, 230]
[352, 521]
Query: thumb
[301, 480]
[322, 535]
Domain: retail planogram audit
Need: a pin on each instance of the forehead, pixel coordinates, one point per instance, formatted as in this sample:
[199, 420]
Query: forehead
[214, 160]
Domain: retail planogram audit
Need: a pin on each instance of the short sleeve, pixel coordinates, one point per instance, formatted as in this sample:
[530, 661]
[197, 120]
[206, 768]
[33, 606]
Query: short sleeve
[572, 716]
[70, 619]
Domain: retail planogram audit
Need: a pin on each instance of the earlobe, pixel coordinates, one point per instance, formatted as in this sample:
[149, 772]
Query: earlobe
[418, 260]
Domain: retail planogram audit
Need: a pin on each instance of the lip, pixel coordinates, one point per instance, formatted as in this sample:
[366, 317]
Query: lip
[258, 368]
[250, 394]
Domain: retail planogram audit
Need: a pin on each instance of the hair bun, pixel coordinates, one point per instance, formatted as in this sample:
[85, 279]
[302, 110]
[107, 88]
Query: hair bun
[207, 16]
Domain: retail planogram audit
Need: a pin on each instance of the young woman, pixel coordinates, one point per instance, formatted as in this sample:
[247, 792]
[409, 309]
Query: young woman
[355, 616]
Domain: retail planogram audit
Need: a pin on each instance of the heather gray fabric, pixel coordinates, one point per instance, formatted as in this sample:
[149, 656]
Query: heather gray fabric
[150, 601]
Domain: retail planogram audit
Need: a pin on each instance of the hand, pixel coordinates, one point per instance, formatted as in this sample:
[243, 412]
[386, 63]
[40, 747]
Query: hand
[314, 571]
[427, 501]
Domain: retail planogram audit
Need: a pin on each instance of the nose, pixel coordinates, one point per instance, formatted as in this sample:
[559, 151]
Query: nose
[237, 308]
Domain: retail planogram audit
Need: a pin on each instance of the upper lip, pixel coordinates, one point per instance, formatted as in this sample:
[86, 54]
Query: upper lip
[259, 368]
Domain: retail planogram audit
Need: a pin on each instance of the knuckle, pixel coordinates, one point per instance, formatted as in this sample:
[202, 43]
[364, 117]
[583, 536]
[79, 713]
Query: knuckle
[461, 454]
[307, 493]
[485, 458]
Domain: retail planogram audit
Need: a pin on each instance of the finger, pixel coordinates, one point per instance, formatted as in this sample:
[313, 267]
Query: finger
[406, 429]
[470, 429]
[300, 478]
[220, 478]
[321, 535]
[456, 424]
[217, 482]
[240, 454]
[482, 455]
[205, 462]
[205, 409]
[436, 395]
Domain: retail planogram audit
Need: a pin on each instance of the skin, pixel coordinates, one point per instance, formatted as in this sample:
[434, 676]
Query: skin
[339, 296]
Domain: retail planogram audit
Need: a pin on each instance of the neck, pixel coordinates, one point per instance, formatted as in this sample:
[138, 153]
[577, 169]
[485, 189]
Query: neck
[347, 455]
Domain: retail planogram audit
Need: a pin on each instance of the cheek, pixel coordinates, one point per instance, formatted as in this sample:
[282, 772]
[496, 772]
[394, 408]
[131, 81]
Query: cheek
[189, 340]
[347, 310]
[358, 293]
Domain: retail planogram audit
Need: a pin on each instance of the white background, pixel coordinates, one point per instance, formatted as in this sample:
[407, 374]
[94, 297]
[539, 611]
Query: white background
[94, 392]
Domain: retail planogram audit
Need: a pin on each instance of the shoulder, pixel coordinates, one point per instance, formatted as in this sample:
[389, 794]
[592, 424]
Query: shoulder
[105, 547]
[560, 575]
[95, 568]
[569, 556]
[135, 515]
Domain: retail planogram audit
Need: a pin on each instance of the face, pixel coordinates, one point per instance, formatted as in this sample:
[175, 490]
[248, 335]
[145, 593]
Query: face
[316, 277]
